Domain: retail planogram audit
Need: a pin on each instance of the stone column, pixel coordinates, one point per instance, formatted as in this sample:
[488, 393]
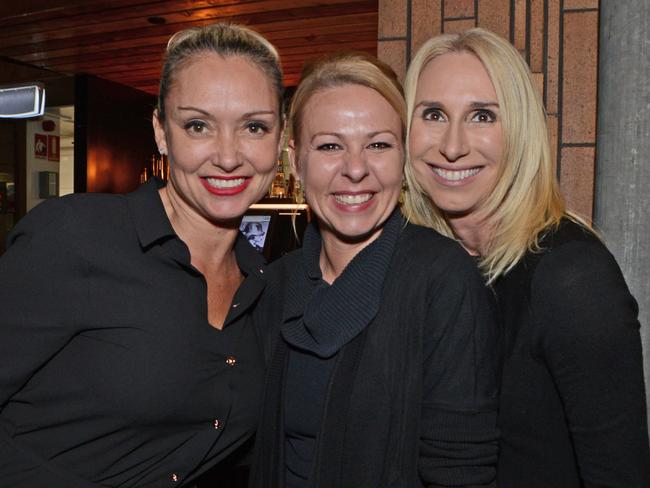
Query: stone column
[622, 187]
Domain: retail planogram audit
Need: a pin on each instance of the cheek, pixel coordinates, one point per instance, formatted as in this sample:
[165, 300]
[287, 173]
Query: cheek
[391, 173]
[264, 156]
[491, 144]
[423, 140]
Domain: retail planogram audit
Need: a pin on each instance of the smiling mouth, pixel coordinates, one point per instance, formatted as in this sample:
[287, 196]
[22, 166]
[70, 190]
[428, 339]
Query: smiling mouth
[455, 174]
[221, 183]
[358, 199]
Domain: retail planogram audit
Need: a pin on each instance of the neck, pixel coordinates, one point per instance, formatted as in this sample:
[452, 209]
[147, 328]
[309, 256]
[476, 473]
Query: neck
[473, 232]
[336, 254]
[207, 241]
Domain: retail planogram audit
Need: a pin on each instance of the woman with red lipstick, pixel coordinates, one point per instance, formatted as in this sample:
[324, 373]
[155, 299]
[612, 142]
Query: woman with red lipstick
[572, 404]
[128, 357]
[381, 347]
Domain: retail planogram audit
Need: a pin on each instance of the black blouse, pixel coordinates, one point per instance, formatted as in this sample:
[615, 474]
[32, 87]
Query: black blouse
[110, 373]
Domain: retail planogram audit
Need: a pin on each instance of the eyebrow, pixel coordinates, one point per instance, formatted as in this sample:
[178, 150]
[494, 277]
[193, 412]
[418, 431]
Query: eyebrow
[475, 104]
[246, 115]
[337, 134]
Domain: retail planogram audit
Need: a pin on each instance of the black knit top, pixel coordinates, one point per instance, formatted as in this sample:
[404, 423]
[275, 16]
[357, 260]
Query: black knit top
[411, 396]
[329, 319]
[572, 411]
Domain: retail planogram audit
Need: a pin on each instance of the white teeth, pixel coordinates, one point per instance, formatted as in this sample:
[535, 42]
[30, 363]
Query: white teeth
[220, 183]
[353, 199]
[455, 175]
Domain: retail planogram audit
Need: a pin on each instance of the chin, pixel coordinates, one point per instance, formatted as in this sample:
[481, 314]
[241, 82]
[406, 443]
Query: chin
[355, 234]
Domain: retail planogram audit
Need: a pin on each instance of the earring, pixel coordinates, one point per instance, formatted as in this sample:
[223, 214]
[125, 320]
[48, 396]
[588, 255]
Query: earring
[162, 151]
[402, 192]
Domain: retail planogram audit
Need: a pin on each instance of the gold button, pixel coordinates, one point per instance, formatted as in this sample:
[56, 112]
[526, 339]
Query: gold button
[231, 360]
[175, 477]
[217, 424]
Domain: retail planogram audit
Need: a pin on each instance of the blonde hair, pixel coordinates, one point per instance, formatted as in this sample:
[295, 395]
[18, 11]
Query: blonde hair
[526, 199]
[346, 68]
[223, 39]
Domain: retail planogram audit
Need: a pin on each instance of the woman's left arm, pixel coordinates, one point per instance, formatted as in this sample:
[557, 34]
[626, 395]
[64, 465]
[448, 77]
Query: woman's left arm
[589, 336]
[458, 441]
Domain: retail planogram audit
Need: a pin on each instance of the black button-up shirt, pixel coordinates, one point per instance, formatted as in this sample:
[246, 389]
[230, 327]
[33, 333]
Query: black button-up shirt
[110, 373]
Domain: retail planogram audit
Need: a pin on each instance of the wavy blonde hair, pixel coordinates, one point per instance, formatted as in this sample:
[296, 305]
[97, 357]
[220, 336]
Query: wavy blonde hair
[526, 199]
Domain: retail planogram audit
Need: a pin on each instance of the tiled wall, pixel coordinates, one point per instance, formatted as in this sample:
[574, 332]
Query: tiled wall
[558, 38]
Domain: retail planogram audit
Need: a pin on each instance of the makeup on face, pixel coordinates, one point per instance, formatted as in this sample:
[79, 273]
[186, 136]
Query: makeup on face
[350, 160]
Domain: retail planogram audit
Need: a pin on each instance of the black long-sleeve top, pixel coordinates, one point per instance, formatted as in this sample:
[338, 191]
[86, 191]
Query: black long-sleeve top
[572, 408]
[110, 374]
[411, 400]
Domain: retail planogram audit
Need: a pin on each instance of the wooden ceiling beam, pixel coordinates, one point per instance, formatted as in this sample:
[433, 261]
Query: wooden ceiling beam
[149, 54]
[114, 39]
[108, 66]
[96, 17]
[336, 34]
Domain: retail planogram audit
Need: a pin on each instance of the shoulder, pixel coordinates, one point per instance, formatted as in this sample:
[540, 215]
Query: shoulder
[578, 288]
[278, 270]
[422, 248]
[573, 257]
[72, 215]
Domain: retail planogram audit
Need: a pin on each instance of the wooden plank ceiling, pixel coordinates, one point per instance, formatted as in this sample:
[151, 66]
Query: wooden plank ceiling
[123, 40]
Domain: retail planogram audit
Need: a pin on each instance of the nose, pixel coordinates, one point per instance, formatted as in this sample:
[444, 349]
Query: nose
[454, 144]
[355, 166]
[226, 153]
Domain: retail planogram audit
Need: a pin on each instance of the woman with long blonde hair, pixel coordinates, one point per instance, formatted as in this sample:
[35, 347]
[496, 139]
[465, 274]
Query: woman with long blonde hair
[572, 404]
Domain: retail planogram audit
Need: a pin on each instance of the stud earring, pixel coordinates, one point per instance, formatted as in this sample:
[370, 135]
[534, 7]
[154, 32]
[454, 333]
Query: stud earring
[162, 151]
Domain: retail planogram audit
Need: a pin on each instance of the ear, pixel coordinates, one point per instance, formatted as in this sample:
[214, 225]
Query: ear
[159, 132]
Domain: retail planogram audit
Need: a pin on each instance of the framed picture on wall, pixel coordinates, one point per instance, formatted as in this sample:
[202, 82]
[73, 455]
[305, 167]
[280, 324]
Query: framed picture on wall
[256, 229]
[40, 146]
[53, 148]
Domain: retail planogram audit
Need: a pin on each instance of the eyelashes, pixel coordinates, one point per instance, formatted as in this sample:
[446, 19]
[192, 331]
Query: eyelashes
[483, 115]
[195, 126]
[253, 127]
[258, 127]
[333, 146]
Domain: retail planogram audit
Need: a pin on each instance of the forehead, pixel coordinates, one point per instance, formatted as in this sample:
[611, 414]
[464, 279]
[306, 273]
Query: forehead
[209, 78]
[349, 101]
[455, 75]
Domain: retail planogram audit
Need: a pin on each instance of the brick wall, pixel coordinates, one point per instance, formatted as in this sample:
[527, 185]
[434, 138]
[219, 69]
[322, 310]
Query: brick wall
[558, 38]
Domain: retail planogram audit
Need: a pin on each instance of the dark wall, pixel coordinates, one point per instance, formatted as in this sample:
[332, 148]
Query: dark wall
[113, 135]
